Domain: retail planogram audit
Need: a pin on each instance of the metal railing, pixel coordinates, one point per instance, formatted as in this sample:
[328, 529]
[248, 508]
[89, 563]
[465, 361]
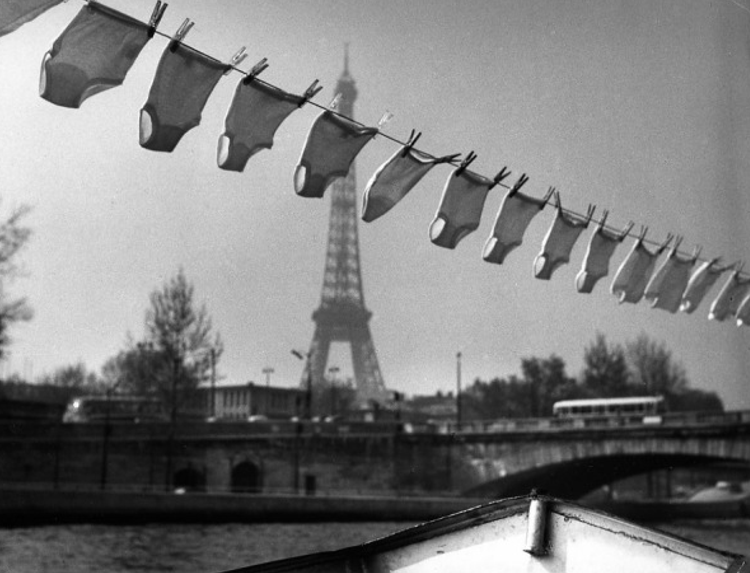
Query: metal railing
[289, 429]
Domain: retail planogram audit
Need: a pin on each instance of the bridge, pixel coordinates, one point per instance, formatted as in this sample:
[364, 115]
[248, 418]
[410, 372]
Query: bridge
[566, 457]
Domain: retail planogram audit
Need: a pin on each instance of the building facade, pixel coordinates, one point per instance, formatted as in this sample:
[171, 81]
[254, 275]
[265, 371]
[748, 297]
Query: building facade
[241, 401]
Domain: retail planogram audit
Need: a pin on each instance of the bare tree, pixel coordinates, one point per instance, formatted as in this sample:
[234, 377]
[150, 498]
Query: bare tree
[179, 340]
[14, 236]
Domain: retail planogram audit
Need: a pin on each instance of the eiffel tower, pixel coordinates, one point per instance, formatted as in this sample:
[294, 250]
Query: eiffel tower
[342, 315]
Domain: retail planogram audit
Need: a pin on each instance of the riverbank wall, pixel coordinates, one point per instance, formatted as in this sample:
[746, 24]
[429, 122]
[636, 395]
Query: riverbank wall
[31, 507]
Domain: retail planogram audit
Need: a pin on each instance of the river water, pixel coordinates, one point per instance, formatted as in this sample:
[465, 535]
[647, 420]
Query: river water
[195, 548]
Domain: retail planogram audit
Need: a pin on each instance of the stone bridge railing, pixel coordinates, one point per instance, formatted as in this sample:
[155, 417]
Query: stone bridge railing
[598, 423]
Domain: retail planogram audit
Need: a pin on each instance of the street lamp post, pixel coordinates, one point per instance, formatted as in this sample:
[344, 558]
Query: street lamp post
[105, 437]
[213, 383]
[172, 421]
[308, 415]
[308, 370]
[458, 391]
[268, 371]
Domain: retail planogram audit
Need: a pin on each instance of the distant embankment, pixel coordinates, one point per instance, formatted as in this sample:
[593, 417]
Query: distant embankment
[22, 507]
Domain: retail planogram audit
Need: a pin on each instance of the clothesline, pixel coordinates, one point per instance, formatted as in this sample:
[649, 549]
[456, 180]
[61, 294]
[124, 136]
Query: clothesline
[453, 160]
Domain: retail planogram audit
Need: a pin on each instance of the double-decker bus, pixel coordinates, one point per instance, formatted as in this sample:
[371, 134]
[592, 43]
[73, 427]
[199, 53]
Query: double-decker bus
[114, 408]
[602, 407]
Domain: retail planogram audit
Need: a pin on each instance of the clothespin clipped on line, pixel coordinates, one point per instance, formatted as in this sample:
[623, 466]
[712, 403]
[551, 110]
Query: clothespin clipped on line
[677, 243]
[551, 191]
[255, 71]
[468, 160]
[518, 184]
[589, 214]
[558, 201]
[384, 119]
[156, 16]
[413, 138]
[335, 101]
[310, 93]
[236, 60]
[626, 231]
[500, 176]
[180, 34]
[622, 234]
[448, 158]
[697, 250]
[665, 244]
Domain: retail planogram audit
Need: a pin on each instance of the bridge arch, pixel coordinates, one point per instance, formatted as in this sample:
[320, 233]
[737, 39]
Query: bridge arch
[575, 478]
[246, 477]
[570, 468]
[190, 479]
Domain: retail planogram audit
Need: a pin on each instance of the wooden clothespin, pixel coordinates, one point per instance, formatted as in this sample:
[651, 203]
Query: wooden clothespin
[468, 160]
[310, 93]
[518, 184]
[384, 119]
[236, 60]
[589, 214]
[676, 246]
[156, 17]
[497, 179]
[626, 231]
[255, 71]
[697, 250]
[665, 244]
[182, 31]
[413, 138]
[335, 101]
[558, 201]
[603, 220]
[447, 158]
[551, 191]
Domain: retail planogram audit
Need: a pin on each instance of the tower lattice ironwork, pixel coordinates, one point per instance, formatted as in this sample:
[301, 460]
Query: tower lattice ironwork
[342, 315]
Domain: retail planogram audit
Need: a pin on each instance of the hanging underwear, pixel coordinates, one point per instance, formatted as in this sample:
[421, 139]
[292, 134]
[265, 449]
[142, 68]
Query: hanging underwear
[183, 81]
[331, 146]
[93, 54]
[669, 282]
[699, 284]
[256, 112]
[731, 296]
[634, 273]
[595, 265]
[15, 13]
[393, 180]
[558, 243]
[515, 214]
[460, 208]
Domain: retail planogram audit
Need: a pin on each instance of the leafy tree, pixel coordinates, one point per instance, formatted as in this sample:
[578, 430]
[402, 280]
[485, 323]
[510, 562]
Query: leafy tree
[135, 370]
[14, 236]
[547, 383]
[333, 397]
[67, 382]
[653, 369]
[692, 400]
[74, 376]
[605, 371]
[543, 382]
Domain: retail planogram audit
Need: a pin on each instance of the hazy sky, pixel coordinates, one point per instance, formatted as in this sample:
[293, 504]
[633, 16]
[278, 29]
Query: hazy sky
[637, 106]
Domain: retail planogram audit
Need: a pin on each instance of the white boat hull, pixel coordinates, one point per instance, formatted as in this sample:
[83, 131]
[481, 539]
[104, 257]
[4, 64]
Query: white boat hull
[528, 535]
